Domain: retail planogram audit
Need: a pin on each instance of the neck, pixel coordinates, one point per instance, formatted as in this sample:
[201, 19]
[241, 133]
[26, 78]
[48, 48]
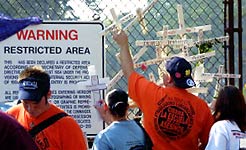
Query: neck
[119, 118]
[40, 110]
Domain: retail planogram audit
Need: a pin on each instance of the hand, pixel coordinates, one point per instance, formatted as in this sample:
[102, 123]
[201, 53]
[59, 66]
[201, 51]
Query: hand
[101, 107]
[120, 38]
[212, 105]
[125, 54]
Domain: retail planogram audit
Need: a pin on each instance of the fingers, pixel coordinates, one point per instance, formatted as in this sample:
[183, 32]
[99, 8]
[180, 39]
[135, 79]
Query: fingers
[120, 37]
[116, 31]
[116, 34]
[100, 110]
[100, 107]
[99, 104]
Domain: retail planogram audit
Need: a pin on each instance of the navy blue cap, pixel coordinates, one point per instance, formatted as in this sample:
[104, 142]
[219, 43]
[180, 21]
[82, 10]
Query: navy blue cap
[32, 89]
[180, 70]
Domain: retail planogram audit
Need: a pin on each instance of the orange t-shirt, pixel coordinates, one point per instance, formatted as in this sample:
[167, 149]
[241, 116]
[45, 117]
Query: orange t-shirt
[64, 134]
[174, 118]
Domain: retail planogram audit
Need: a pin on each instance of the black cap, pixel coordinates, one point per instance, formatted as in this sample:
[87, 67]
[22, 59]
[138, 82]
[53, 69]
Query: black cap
[180, 70]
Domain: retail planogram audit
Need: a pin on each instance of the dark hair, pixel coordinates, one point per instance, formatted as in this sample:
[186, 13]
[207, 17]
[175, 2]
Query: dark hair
[230, 105]
[117, 101]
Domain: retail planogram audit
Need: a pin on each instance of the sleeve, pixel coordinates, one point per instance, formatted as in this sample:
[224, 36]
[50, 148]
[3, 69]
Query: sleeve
[217, 138]
[141, 89]
[100, 143]
[13, 111]
[208, 118]
[72, 136]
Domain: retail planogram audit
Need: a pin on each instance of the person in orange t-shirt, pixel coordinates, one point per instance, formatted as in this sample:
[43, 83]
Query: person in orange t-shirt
[174, 118]
[34, 92]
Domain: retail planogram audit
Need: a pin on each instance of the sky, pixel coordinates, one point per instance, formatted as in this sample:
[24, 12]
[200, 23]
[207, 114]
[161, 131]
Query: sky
[120, 6]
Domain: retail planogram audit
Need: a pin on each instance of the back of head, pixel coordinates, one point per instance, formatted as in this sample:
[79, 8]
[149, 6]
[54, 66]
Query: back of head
[230, 105]
[180, 70]
[34, 83]
[117, 101]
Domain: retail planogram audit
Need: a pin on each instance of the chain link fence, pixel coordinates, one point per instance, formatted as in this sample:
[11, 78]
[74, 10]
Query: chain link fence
[163, 13]
[196, 13]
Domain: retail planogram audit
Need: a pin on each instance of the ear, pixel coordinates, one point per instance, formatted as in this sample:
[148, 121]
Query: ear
[167, 79]
[105, 107]
[49, 94]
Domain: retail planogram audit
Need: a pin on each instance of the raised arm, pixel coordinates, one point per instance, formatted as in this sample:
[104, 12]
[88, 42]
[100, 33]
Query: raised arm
[125, 55]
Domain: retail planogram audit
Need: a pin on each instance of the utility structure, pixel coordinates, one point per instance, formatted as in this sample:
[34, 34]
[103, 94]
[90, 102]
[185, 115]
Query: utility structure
[231, 30]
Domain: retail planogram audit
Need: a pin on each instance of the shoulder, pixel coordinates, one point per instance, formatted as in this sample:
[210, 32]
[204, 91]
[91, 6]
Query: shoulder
[201, 103]
[135, 76]
[68, 129]
[109, 131]
[225, 123]
[102, 134]
[102, 138]
[67, 120]
[114, 126]
[7, 120]
[219, 124]
[10, 125]
[223, 130]
[70, 124]
[15, 107]
[223, 126]
[222, 123]
[15, 110]
[101, 141]
[64, 121]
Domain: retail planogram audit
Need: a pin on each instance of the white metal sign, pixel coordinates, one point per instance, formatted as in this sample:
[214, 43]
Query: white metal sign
[64, 50]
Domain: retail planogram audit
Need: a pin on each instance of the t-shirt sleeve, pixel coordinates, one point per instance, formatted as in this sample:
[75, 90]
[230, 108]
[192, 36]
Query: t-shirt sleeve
[141, 90]
[13, 111]
[209, 121]
[217, 138]
[100, 143]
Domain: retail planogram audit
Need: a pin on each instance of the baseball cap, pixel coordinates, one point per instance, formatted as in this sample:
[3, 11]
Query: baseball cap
[180, 70]
[32, 89]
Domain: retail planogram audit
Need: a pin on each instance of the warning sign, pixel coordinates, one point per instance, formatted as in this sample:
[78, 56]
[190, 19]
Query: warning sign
[64, 50]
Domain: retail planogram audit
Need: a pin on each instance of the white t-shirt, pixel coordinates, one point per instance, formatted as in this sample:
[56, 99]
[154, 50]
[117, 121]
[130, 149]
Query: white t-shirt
[224, 135]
